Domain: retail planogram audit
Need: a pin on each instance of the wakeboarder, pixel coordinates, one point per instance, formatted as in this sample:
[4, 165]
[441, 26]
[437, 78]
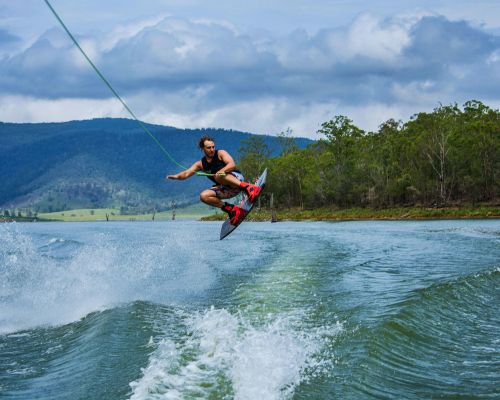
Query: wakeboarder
[228, 180]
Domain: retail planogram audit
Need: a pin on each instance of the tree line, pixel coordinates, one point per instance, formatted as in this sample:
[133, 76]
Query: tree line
[450, 156]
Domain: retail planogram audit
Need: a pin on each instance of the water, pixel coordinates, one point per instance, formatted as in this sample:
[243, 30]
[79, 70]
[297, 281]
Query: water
[164, 310]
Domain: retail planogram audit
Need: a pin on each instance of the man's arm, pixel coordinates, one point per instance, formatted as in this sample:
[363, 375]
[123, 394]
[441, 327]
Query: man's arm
[228, 160]
[187, 173]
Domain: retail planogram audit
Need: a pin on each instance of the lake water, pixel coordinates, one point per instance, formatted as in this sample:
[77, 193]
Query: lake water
[292, 310]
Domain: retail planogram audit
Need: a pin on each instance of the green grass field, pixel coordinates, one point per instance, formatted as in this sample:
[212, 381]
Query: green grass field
[194, 212]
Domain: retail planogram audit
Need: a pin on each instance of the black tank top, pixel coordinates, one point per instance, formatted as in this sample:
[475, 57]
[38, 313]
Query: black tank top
[214, 166]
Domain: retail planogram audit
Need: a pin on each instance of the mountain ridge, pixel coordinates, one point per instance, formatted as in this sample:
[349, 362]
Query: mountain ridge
[104, 162]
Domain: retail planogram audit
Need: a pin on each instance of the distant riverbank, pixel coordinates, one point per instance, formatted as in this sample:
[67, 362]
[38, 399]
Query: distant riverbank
[192, 212]
[399, 213]
[205, 213]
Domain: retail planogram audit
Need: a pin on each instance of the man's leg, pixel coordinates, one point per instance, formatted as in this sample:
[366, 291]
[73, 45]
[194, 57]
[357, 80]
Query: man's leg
[209, 197]
[230, 180]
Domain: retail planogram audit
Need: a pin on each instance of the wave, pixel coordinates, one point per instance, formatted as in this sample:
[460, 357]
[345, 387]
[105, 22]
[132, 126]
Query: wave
[443, 340]
[100, 316]
[225, 356]
[99, 354]
[263, 342]
[468, 231]
[51, 280]
[184, 354]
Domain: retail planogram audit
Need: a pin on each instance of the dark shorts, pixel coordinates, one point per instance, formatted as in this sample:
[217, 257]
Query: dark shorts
[226, 192]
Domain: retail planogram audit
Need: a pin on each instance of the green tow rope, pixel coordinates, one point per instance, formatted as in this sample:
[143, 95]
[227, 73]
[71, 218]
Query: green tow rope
[167, 154]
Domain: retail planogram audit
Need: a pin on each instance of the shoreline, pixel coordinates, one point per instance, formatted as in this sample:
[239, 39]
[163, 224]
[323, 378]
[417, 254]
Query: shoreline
[318, 214]
[368, 214]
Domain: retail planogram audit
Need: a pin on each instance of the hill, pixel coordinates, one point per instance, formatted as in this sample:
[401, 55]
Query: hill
[103, 163]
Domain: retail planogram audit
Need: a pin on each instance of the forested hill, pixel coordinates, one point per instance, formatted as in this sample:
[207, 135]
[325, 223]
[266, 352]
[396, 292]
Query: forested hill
[447, 157]
[103, 163]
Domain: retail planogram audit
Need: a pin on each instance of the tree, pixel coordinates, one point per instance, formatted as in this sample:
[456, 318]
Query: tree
[341, 152]
[286, 179]
[480, 151]
[435, 158]
[287, 142]
[254, 155]
[434, 133]
[382, 162]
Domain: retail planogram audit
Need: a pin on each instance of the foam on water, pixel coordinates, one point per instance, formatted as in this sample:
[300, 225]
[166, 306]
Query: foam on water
[39, 287]
[261, 348]
[269, 363]
[228, 357]
[39, 290]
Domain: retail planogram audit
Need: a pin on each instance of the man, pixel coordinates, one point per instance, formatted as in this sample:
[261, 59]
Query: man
[229, 182]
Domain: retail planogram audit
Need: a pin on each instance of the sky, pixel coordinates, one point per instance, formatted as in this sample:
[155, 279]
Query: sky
[260, 66]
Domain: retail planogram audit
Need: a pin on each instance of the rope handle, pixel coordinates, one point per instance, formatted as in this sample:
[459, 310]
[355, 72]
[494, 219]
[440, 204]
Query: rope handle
[207, 174]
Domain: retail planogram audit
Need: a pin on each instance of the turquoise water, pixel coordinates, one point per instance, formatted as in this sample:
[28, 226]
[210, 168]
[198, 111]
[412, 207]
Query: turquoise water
[164, 310]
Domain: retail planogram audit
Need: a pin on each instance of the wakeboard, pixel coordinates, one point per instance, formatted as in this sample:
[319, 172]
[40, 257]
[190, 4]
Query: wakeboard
[246, 204]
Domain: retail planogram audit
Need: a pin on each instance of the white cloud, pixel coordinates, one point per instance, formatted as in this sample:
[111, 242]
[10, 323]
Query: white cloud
[268, 116]
[29, 109]
[128, 30]
[370, 37]
[417, 93]
[494, 57]
[208, 73]
[371, 116]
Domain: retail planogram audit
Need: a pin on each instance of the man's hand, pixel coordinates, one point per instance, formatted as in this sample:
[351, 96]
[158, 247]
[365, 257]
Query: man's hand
[220, 173]
[186, 173]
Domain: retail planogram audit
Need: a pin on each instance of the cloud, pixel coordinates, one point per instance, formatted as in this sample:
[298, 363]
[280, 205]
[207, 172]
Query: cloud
[16, 108]
[194, 73]
[373, 39]
[8, 42]
[7, 38]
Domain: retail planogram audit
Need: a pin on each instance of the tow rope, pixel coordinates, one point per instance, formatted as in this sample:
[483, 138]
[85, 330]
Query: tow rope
[144, 128]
